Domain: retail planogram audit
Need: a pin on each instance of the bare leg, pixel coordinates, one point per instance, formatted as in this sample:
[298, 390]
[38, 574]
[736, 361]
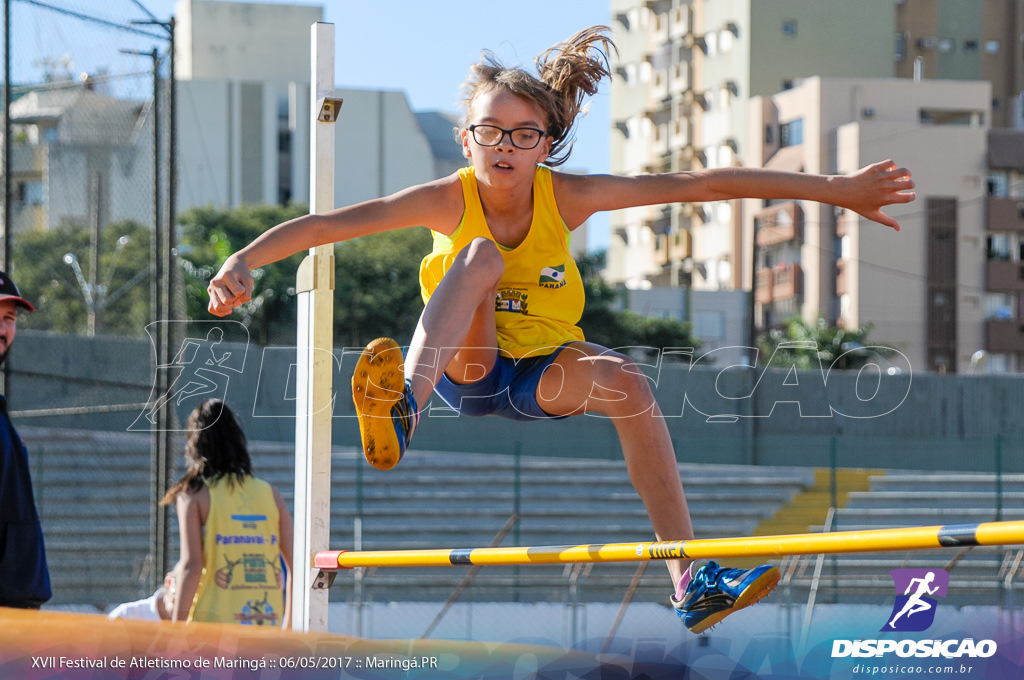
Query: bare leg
[456, 332]
[593, 379]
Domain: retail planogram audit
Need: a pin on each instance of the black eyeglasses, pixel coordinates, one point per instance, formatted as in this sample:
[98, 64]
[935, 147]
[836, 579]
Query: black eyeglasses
[491, 135]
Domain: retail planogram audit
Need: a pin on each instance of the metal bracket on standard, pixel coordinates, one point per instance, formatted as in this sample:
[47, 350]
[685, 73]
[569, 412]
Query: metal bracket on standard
[324, 579]
[329, 108]
[311, 269]
[326, 564]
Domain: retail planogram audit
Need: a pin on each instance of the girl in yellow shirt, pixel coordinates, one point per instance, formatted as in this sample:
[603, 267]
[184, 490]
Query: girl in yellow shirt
[235, 529]
[503, 298]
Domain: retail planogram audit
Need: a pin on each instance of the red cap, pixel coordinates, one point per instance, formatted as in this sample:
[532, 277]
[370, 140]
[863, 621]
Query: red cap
[9, 291]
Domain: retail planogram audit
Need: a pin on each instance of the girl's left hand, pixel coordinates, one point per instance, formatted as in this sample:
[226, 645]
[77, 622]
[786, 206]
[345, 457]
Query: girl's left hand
[873, 187]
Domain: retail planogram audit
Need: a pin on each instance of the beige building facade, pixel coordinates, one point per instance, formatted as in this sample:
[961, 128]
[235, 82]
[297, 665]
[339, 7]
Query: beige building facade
[684, 78]
[922, 289]
[243, 122]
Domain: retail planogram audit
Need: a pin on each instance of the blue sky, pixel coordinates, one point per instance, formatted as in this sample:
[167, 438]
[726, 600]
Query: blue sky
[425, 48]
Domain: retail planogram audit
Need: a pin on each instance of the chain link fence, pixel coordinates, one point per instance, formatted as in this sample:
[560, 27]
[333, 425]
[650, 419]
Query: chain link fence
[87, 170]
[88, 158]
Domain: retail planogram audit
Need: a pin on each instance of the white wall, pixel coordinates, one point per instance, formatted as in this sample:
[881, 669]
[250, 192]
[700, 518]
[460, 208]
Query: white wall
[243, 41]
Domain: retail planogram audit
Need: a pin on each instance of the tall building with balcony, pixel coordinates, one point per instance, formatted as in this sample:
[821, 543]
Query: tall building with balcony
[923, 289]
[1003, 348]
[683, 76]
[683, 73]
[966, 40]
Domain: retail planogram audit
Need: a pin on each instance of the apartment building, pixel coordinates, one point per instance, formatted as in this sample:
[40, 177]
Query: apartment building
[686, 70]
[921, 289]
[683, 73]
[966, 40]
[1003, 348]
[243, 126]
[79, 156]
[84, 156]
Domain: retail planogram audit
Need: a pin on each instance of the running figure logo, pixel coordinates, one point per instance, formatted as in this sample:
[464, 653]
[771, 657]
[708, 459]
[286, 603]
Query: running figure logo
[914, 609]
[209, 355]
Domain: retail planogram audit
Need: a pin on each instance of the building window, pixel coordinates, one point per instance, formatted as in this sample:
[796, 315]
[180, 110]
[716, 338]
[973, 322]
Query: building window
[997, 184]
[789, 27]
[723, 212]
[791, 133]
[951, 117]
[999, 305]
[900, 47]
[711, 44]
[970, 46]
[31, 193]
[725, 39]
[991, 46]
[724, 99]
[769, 134]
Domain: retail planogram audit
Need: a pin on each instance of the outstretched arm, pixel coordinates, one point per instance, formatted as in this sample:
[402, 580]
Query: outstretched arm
[865, 192]
[434, 205]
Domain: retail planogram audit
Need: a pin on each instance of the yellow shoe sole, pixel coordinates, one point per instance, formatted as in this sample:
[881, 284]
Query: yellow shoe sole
[377, 385]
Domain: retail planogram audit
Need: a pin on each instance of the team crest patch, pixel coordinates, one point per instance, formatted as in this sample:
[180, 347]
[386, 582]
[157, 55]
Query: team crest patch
[514, 300]
[552, 277]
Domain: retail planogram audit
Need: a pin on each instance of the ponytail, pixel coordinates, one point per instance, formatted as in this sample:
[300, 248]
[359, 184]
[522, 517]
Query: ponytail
[573, 70]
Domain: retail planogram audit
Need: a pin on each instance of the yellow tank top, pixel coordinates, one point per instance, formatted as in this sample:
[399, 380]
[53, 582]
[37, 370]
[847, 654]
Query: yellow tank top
[242, 579]
[540, 296]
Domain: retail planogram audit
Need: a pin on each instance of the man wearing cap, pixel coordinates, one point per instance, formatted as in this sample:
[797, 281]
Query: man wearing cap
[24, 577]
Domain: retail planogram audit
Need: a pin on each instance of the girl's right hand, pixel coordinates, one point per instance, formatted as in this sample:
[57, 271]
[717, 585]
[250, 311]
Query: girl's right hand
[231, 287]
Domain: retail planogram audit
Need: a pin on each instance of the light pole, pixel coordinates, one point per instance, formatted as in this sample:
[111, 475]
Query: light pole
[163, 263]
[97, 295]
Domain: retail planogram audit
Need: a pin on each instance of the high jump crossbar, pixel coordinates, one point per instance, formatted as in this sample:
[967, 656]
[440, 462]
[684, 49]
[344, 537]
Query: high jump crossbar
[874, 540]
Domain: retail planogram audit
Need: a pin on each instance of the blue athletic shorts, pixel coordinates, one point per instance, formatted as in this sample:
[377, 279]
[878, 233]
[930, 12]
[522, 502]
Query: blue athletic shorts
[509, 390]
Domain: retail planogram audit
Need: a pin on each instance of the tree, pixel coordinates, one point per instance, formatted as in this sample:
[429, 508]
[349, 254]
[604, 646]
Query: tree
[209, 235]
[376, 282]
[376, 289]
[605, 325]
[44, 265]
[832, 342]
[377, 286]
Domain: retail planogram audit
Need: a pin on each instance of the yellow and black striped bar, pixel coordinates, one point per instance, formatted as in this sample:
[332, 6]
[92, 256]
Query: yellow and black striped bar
[874, 540]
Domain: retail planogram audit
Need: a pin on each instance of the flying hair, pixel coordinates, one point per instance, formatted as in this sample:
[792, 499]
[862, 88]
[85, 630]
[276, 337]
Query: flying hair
[567, 74]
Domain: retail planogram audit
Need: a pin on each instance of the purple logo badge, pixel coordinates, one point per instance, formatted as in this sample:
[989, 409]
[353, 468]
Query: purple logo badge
[914, 609]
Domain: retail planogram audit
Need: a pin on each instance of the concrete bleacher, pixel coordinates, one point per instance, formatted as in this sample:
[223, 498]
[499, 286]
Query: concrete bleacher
[463, 501]
[978, 575]
[94, 495]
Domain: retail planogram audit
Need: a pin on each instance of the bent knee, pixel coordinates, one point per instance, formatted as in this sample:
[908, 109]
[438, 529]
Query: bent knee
[482, 253]
[479, 264]
[621, 375]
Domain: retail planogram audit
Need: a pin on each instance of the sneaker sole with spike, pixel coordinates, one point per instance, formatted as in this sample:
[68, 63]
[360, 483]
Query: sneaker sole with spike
[377, 385]
[759, 589]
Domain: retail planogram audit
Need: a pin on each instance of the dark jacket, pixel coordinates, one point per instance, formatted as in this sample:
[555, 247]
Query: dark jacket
[24, 577]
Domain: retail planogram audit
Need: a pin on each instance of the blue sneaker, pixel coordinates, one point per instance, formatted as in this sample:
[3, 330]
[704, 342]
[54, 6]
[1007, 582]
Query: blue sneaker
[385, 405]
[714, 592]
